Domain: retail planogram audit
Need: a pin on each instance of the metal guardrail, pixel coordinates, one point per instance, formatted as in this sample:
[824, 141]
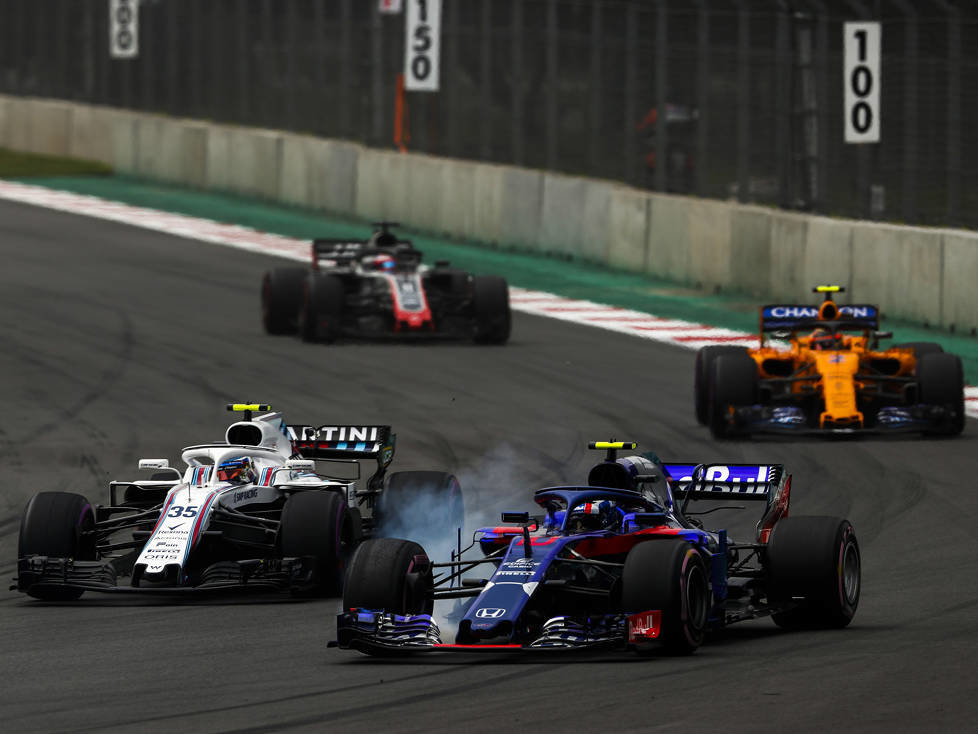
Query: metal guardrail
[736, 99]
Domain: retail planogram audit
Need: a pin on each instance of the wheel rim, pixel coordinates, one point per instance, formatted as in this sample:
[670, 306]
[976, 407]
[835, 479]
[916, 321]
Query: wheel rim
[850, 573]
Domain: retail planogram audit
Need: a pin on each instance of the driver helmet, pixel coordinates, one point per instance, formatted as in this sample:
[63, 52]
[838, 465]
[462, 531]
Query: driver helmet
[592, 516]
[238, 470]
[382, 261]
[824, 340]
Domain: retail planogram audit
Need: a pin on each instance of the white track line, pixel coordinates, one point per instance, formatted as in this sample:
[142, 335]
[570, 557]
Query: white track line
[686, 334]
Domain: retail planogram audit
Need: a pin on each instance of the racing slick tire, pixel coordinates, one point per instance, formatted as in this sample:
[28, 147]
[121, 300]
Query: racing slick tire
[318, 524]
[940, 381]
[490, 309]
[672, 577]
[733, 383]
[389, 574]
[426, 505]
[701, 381]
[281, 296]
[815, 562]
[58, 525]
[921, 348]
[321, 309]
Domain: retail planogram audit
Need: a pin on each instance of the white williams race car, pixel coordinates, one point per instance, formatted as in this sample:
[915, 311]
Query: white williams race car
[250, 512]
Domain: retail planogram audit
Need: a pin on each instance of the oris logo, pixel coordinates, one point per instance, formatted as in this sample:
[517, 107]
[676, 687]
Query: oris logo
[490, 613]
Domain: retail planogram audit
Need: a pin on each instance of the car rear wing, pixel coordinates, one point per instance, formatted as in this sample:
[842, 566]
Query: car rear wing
[795, 317]
[343, 442]
[337, 252]
[725, 481]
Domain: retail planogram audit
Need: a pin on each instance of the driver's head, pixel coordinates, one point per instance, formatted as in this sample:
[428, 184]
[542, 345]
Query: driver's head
[238, 470]
[592, 516]
[824, 340]
[380, 262]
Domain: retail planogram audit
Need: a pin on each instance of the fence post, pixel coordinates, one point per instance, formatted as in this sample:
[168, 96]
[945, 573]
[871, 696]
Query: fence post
[344, 80]
[241, 63]
[804, 176]
[552, 78]
[784, 116]
[516, 85]
[910, 112]
[631, 91]
[662, 96]
[485, 71]
[291, 66]
[702, 94]
[594, 92]
[377, 76]
[953, 109]
[743, 101]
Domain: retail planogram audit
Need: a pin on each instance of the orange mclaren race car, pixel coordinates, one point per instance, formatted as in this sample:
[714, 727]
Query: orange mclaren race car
[833, 378]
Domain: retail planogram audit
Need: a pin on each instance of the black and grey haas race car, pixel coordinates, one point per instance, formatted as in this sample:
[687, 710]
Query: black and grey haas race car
[379, 287]
[249, 513]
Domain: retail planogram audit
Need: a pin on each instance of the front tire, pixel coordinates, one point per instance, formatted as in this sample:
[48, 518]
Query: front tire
[57, 525]
[281, 296]
[490, 309]
[734, 383]
[391, 575]
[322, 308]
[669, 576]
[705, 358]
[940, 381]
[814, 564]
[318, 524]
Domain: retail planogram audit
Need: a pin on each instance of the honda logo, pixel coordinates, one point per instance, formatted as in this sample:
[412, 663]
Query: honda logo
[490, 613]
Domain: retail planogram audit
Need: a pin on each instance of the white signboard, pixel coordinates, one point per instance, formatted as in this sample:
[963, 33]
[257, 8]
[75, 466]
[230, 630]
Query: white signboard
[422, 45]
[392, 7]
[124, 29]
[861, 72]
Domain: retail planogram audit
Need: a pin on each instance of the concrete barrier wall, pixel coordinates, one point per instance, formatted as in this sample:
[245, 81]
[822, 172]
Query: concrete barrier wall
[927, 275]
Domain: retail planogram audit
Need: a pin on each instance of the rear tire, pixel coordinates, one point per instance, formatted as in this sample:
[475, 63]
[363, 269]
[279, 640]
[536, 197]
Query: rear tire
[384, 575]
[490, 309]
[281, 296]
[703, 371]
[940, 381]
[318, 524]
[427, 505]
[322, 308]
[814, 561]
[671, 576]
[734, 383]
[57, 525]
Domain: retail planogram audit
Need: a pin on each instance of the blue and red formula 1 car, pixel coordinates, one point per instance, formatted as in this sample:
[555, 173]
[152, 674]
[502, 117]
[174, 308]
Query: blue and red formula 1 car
[621, 562]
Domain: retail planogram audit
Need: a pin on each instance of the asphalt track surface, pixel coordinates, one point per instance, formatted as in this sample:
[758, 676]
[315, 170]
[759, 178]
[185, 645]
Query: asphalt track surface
[118, 343]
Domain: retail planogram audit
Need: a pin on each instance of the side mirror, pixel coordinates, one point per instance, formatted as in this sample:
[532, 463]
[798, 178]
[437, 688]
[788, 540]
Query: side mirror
[519, 518]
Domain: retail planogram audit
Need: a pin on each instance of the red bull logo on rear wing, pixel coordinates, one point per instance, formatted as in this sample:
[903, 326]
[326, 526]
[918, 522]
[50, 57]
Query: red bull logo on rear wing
[705, 481]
